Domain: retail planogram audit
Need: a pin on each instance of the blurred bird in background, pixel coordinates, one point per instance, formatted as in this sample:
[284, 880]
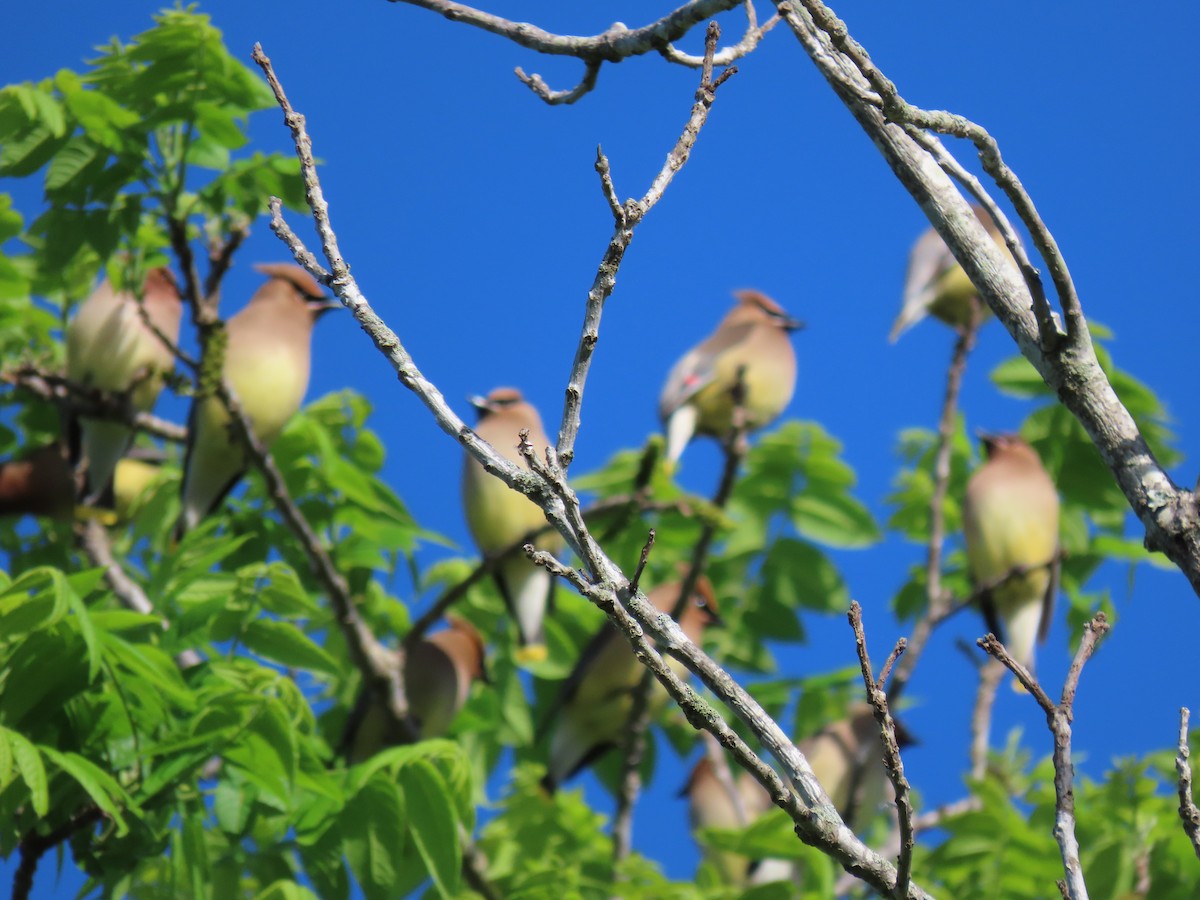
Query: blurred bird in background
[111, 348]
[438, 674]
[267, 357]
[591, 711]
[936, 284]
[499, 517]
[750, 346]
[1010, 521]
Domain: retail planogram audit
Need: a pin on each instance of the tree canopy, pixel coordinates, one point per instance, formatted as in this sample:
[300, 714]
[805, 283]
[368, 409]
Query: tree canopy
[175, 714]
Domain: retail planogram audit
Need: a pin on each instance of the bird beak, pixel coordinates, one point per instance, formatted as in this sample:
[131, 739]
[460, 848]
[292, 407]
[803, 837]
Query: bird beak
[987, 440]
[480, 403]
[320, 307]
[790, 324]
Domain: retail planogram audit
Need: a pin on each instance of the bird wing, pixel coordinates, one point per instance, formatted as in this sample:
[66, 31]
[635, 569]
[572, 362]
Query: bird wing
[1051, 593]
[987, 605]
[929, 260]
[570, 685]
[697, 368]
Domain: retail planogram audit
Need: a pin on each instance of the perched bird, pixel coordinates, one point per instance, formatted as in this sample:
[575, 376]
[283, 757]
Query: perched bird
[267, 358]
[438, 673]
[1010, 520]
[711, 804]
[111, 348]
[935, 282]
[847, 758]
[498, 517]
[592, 708]
[698, 397]
[38, 483]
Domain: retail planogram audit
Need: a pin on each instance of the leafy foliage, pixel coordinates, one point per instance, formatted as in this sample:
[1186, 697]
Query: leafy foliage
[228, 779]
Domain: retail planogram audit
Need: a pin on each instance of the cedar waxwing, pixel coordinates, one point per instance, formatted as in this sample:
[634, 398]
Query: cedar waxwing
[935, 282]
[711, 805]
[109, 347]
[40, 483]
[1010, 519]
[847, 758]
[438, 673]
[267, 358]
[498, 517]
[593, 704]
[698, 397]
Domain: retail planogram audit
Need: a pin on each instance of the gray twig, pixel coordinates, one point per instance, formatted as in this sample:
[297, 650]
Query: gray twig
[1068, 365]
[1058, 718]
[816, 819]
[891, 749]
[1187, 806]
[936, 603]
[94, 541]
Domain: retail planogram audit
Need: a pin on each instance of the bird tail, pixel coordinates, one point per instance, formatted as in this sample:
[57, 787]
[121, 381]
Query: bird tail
[681, 425]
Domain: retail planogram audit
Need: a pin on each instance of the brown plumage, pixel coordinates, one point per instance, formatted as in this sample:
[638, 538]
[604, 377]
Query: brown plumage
[698, 397]
[438, 673]
[498, 517]
[711, 804]
[593, 704]
[267, 360]
[110, 347]
[1010, 520]
[38, 483]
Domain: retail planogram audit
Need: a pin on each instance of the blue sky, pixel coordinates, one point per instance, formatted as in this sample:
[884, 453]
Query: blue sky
[473, 220]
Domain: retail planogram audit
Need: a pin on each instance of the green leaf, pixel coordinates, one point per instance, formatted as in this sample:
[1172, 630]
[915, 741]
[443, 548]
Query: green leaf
[286, 644]
[1017, 377]
[104, 790]
[219, 125]
[33, 772]
[835, 519]
[373, 836]
[433, 825]
[79, 153]
[36, 600]
[285, 890]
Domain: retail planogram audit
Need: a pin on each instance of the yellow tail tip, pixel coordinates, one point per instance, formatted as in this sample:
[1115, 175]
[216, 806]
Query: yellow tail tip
[105, 517]
[531, 653]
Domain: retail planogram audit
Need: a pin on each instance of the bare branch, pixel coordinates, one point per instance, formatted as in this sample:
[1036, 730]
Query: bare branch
[613, 45]
[535, 83]
[897, 652]
[935, 817]
[1170, 516]
[726, 55]
[90, 402]
[1187, 806]
[990, 676]
[1058, 718]
[606, 184]
[381, 668]
[937, 603]
[33, 846]
[641, 566]
[891, 748]
[94, 541]
[606, 274]
[817, 821]
[734, 447]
